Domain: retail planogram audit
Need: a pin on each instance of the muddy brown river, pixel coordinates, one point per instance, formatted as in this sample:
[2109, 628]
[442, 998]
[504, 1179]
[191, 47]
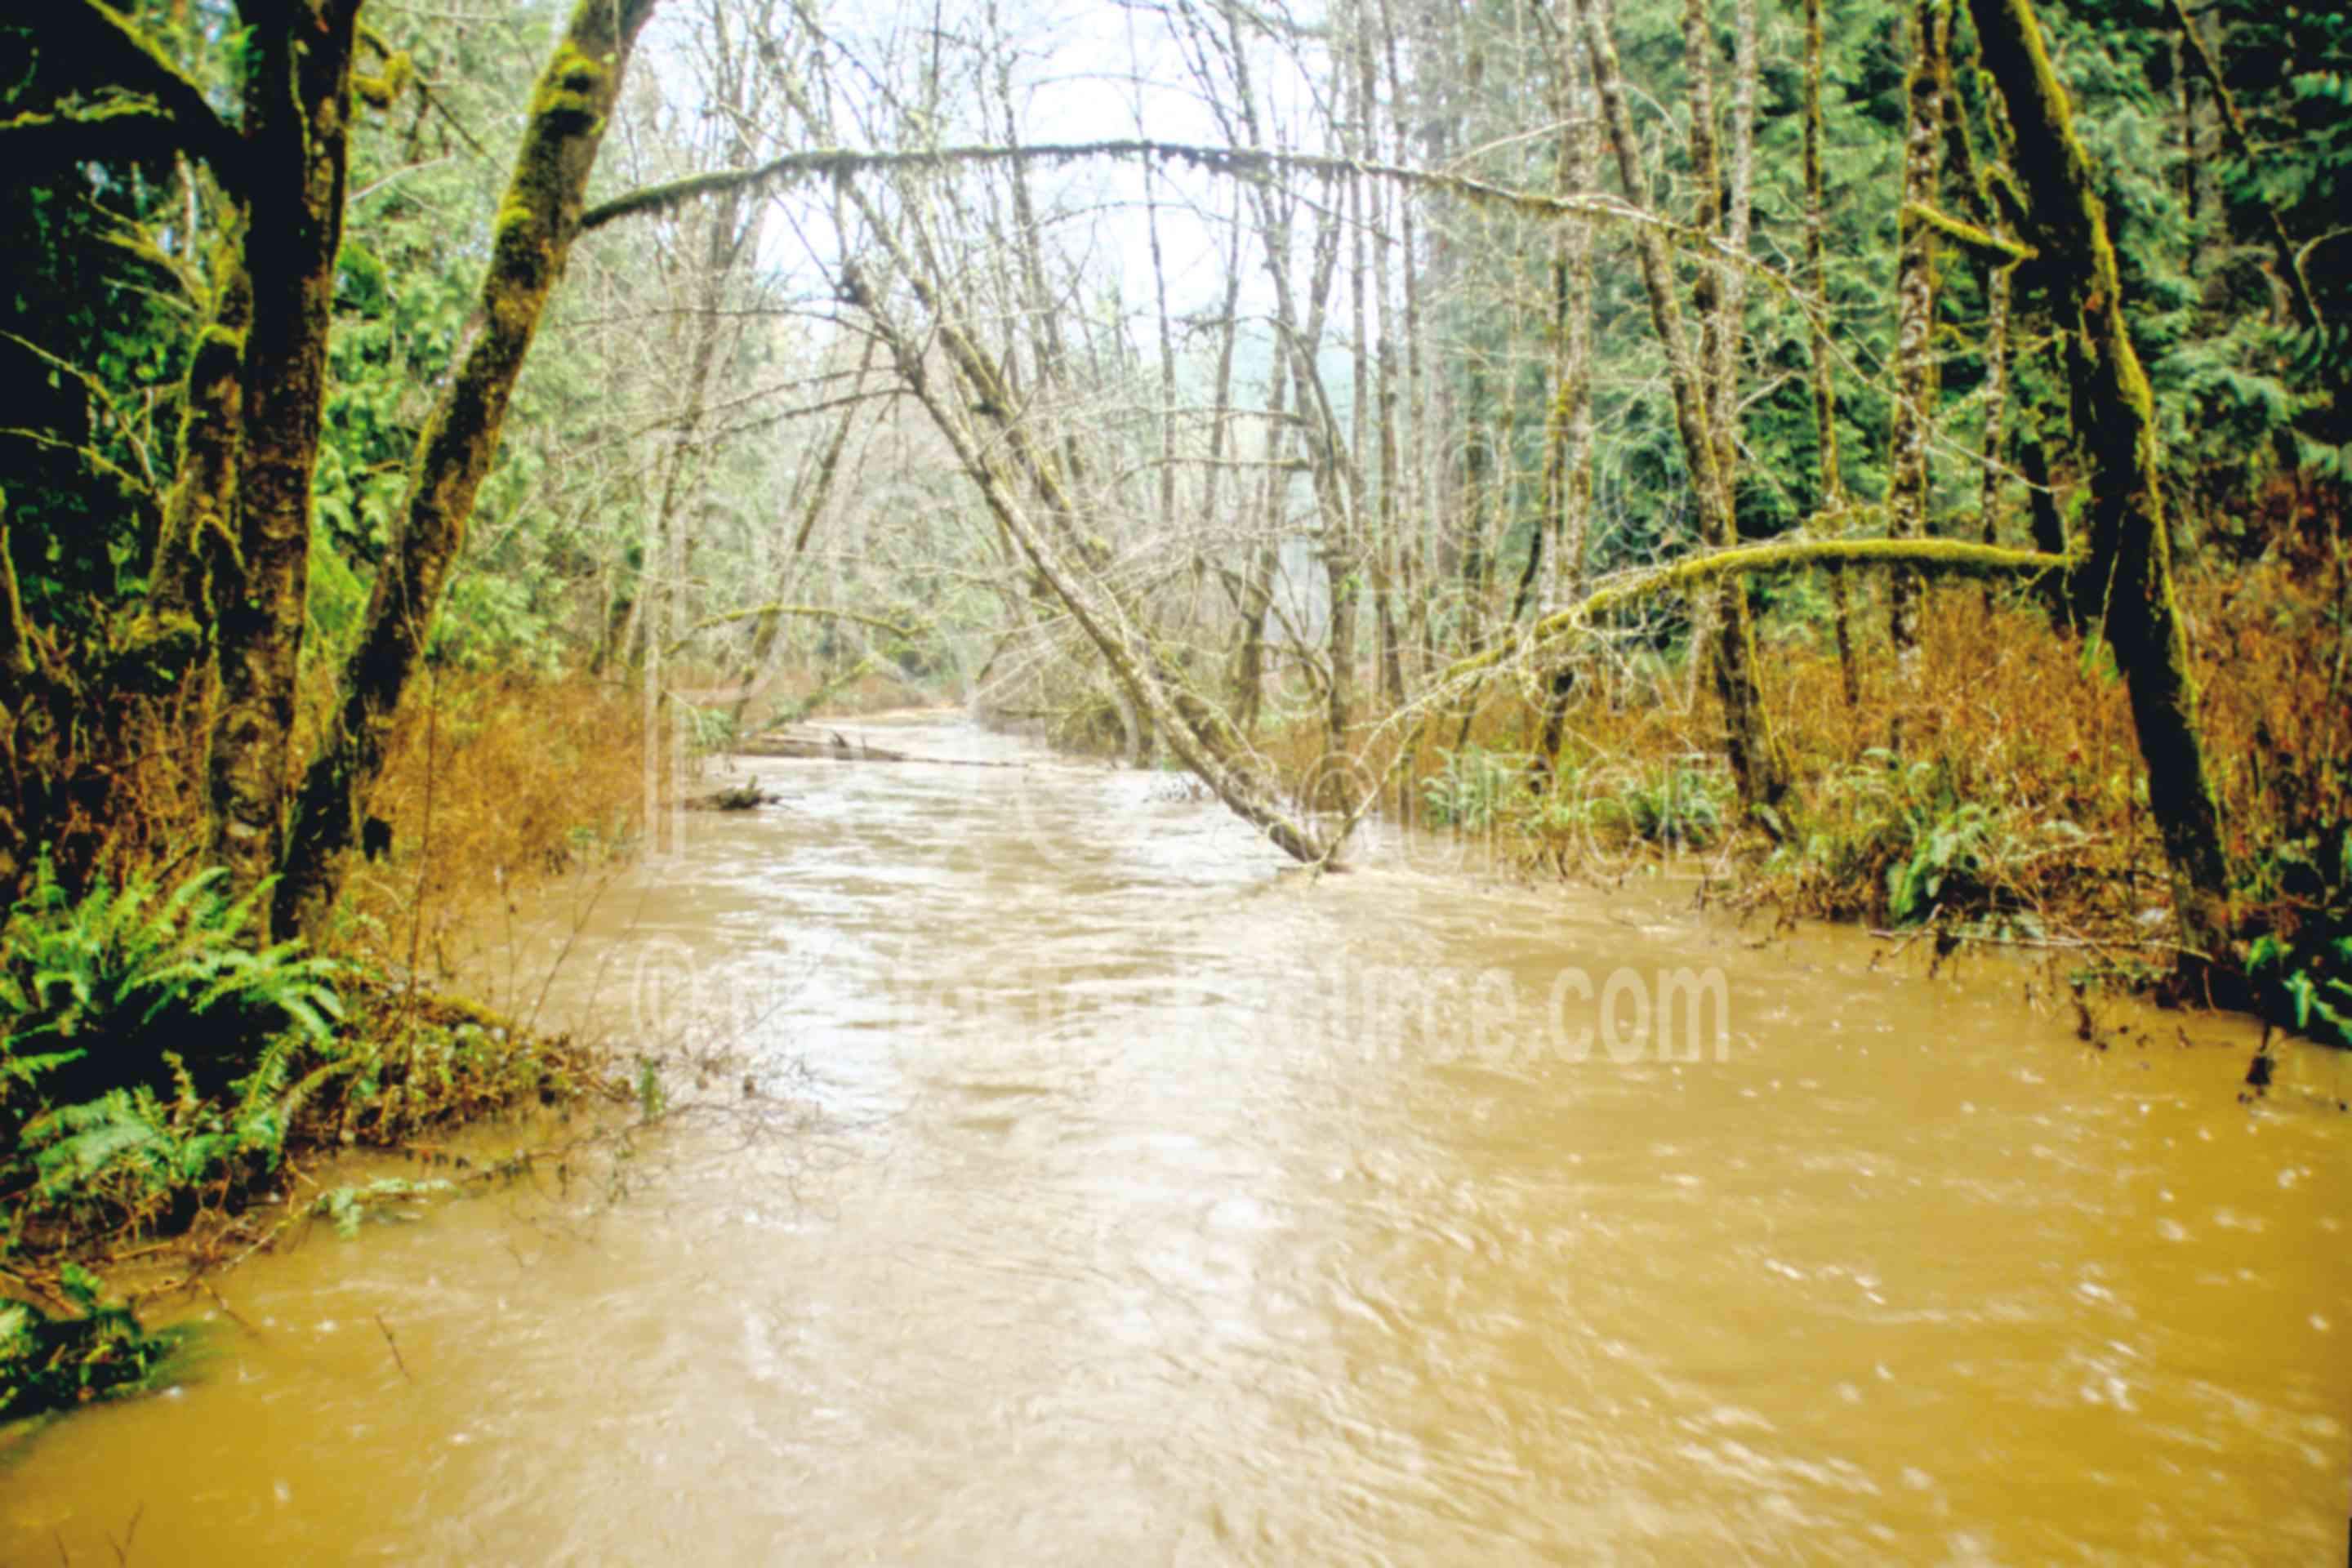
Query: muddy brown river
[1066, 1182]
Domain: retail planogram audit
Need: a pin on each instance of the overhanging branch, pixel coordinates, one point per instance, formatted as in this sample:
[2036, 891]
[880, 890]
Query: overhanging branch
[163, 108]
[1241, 163]
[1941, 557]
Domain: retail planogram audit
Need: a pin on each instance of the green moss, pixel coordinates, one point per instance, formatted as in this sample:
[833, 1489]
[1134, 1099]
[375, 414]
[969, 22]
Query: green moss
[571, 94]
[381, 91]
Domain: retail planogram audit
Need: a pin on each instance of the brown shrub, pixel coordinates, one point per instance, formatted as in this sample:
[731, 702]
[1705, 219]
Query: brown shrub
[2007, 714]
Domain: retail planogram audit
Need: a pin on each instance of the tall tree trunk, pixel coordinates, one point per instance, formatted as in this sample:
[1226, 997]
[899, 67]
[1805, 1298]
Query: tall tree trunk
[2130, 551]
[200, 526]
[298, 97]
[1980, 188]
[1997, 279]
[1343, 555]
[1383, 551]
[812, 506]
[1832, 474]
[1757, 763]
[1568, 455]
[1568, 434]
[1707, 214]
[1415, 460]
[1738, 224]
[538, 219]
[1167, 345]
[1915, 325]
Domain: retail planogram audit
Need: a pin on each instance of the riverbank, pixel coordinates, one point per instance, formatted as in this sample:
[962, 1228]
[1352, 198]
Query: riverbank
[176, 1101]
[173, 1092]
[2009, 820]
[1999, 799]
[1131, 1193]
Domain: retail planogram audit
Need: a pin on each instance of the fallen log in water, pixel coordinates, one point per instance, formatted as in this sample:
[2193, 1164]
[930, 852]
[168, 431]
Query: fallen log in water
[733, 797]
[833, 746]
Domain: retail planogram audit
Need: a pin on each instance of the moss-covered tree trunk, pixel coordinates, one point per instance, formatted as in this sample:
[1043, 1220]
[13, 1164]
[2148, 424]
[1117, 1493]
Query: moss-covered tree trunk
[1757, 763]
[296, 115]
[1568, 431]
[2130, 561]
[1568, 443]
[1998, 282]
[1831, 498]
[1914, 319]
[537, 221]
[200, 523]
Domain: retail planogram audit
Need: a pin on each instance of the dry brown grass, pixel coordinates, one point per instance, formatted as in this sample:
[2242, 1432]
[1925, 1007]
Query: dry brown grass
[2032, 725]
[495, 784]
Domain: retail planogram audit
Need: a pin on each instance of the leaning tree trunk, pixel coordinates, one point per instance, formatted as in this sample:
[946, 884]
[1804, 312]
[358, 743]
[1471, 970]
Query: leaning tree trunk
[537, 222]
[2130, 557]
[1200, 737]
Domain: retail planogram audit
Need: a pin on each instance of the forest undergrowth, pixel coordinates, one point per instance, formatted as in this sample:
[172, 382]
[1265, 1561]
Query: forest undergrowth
[1998, 798]
[175, 1097]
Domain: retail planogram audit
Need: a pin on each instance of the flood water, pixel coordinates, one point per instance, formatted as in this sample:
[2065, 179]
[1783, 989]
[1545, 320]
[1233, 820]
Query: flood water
[1084, 1188]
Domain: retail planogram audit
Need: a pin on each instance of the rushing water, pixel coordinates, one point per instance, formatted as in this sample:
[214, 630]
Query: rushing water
[1088, 1190]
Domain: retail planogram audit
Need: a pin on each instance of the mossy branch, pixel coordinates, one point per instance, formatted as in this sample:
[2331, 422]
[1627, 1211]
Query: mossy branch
[120, 127]
[1942, 557]
[1242, 162]
[164, 107]
[2003, 252]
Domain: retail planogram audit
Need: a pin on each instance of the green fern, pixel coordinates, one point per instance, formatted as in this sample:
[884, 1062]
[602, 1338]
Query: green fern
[1471, 792]
[55, 1363]
[148, 1053]
[123, 976]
